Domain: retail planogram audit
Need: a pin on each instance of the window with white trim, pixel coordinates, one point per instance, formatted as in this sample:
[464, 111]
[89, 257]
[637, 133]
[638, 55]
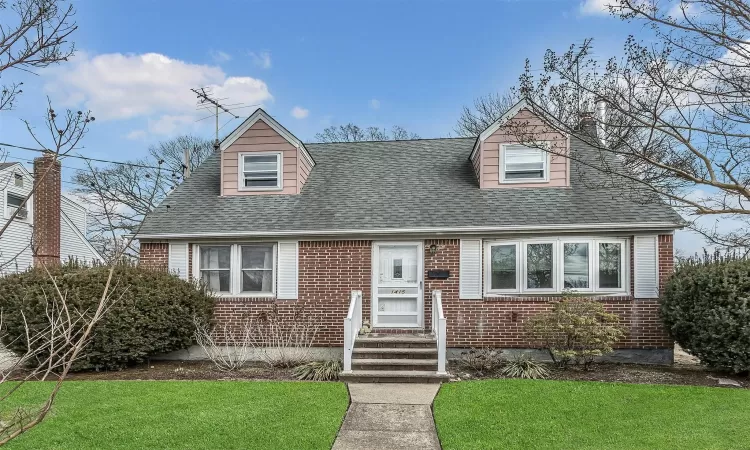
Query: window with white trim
[530, 266]
[238, 269]
[14, 202]
[260, 171]
[520, 163]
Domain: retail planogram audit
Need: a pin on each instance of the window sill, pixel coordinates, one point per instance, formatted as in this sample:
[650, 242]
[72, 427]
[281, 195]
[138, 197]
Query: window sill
[552, 295]
[246, 296]
[273, 189]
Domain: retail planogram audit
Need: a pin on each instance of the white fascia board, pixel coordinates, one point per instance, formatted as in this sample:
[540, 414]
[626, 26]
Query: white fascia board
[260, 114]
[629, 227]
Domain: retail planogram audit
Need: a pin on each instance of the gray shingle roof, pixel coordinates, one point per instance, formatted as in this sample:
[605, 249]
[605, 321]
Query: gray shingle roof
[6, 165]
[395, 185]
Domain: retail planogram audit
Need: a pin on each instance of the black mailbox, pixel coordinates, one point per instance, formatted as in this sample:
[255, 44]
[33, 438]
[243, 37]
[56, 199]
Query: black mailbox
[438, 273]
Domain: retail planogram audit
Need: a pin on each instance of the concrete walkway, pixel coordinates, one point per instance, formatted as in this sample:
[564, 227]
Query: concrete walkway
[389, 416]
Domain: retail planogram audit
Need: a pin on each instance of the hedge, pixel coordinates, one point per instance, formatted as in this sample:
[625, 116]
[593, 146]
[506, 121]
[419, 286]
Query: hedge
[151, 311]
[706, 309]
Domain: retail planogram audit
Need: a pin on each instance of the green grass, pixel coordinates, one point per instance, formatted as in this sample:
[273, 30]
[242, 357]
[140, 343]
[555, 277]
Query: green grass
[186, 415]
[509, 414]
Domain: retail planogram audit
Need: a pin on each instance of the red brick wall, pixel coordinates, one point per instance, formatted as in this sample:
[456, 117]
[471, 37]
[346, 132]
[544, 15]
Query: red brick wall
[154, 255]
[330, 270]
[46, 204]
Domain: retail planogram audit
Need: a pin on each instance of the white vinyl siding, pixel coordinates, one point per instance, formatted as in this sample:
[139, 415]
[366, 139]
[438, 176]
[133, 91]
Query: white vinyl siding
[288, 271]
[646, 266]
[470, 269]
[178, 259]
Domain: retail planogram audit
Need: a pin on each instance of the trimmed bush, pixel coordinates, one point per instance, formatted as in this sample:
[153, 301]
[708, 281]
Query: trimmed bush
[576, 330]
[706, 309]
[151, 311]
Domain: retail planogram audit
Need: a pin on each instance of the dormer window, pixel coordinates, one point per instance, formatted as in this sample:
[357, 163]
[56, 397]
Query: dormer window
[260, 171]
[522, 164]
[18, 179]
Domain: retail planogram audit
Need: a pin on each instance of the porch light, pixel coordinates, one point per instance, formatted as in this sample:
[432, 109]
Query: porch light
[433, 249]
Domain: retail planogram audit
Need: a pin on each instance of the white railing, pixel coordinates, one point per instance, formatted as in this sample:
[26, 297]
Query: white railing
[352, 325]
[439, 329]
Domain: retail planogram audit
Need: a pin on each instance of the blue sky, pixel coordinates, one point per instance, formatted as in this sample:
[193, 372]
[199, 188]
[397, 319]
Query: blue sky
[310, 64]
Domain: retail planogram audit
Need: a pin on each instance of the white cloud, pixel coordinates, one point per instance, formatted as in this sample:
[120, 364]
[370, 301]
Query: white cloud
[596, 7]
[375, 103]
[261, 59]
[136, 135]
[116, 86]
[220, 56]
[299, 112]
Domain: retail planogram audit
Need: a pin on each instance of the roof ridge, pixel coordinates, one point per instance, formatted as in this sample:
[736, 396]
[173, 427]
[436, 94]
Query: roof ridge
[392, 140]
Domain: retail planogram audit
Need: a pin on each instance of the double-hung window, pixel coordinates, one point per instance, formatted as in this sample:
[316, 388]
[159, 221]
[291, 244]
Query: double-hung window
[555, 265]
[14, 202]
[238, 269]
[520, 163]
[260, 171]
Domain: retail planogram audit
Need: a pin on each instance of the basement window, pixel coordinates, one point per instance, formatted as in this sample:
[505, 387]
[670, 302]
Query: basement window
[260, 171]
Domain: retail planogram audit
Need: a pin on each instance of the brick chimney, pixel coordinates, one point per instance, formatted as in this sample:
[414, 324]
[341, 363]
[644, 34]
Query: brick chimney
[46, 234]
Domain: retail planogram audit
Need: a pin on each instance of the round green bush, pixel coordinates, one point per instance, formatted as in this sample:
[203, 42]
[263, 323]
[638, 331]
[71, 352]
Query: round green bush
[151, 311]
[706, 309]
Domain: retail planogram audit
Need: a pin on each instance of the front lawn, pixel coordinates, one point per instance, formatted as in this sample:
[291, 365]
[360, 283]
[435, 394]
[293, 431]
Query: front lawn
[187, 414]
[507, 414]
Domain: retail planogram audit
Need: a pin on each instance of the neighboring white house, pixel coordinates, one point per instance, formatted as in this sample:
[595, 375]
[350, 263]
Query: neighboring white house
[16, 242]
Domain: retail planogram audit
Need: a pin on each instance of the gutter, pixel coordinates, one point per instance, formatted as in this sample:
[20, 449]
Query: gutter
[650, 226]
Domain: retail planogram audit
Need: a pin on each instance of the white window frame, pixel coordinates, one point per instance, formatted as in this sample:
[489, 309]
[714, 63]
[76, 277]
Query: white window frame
[235, 267]
[241, 171]
[488, 266]
[7, 213]
[501, 163]
[592, 248]
[558, 271]
[624, 264]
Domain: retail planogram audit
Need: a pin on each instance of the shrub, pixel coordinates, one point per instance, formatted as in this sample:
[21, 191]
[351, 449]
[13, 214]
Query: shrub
[318, 371]
[524, 366]
[575, 330]
[484, 361]
[227, 347]
[150, 311]
[283, 339]
[706, 309]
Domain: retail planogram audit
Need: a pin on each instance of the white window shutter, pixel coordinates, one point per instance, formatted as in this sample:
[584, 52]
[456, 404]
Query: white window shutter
[178, 260]
[470, 269]
[287, 271]
[646, 266]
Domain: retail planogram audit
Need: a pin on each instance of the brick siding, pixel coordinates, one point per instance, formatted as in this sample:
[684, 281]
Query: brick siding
[330, 270]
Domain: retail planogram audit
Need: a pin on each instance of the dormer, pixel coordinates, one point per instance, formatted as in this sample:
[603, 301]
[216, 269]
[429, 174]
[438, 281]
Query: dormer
[501, 160]
[261, 157]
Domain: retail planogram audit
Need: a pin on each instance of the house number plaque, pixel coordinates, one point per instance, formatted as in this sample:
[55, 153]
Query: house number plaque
[398, 291]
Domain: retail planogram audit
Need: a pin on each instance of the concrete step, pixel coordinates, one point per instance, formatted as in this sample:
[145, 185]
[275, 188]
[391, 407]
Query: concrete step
[394, 364]
[390, 376]
[396, 341]
[393, 353]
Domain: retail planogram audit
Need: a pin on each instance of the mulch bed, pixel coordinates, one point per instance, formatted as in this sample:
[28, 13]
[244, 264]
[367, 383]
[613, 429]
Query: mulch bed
[684, 375]
[184, 370]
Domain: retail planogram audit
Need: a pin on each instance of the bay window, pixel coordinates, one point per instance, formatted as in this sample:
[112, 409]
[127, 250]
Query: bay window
[238, 269]
[594, 265]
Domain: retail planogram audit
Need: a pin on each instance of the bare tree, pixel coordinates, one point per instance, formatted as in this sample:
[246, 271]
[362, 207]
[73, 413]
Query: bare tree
[485, 111]
[353, 133]
[117, 193]
[34, 35]
[673, 114]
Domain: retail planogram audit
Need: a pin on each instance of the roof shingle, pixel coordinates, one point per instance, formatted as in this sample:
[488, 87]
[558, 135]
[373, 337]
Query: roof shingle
[395, 185]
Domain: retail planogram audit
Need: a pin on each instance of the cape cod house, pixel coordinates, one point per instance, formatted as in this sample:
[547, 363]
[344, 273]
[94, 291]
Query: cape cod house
[440, 244]
[49, 227]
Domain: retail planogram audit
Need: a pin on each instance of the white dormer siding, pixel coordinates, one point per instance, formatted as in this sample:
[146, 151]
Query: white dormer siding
[262, 158]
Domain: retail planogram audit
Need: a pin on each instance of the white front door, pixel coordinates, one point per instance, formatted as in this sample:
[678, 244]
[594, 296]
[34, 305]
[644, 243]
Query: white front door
[397, 285]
